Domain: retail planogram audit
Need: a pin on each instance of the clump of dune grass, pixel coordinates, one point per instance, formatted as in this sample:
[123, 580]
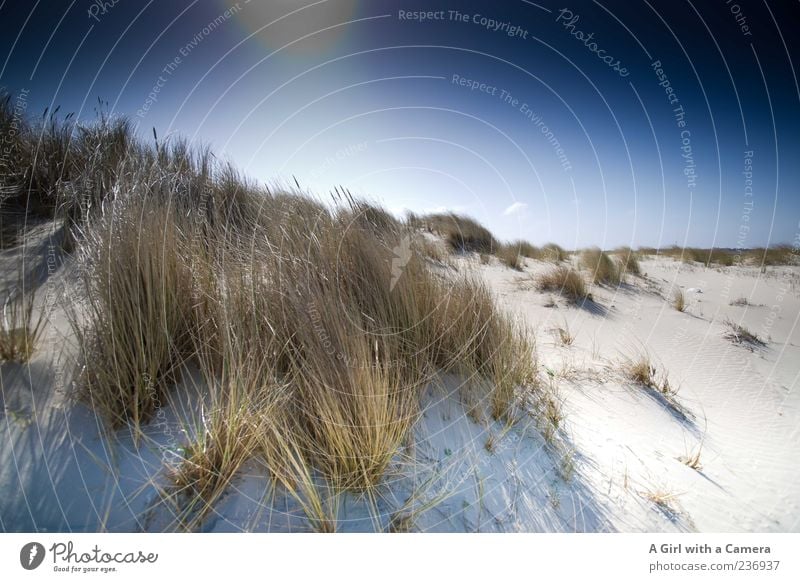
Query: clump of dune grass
[642, 371]
[739, 334]
[21, 324]
[603, 270]
[563, 280]
[628, 262]
[315, 327]
[461, 233]
[509, 255]
[133, 325]
[313, 293]
[740, 302]
[209, 463]
[679, 300]
[553, 253]
[526, 249]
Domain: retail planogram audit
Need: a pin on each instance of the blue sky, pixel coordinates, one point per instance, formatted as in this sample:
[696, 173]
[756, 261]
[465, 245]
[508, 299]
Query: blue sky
[545, 121]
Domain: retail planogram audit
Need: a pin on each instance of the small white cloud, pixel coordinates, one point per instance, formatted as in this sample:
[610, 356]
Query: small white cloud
[516, 208]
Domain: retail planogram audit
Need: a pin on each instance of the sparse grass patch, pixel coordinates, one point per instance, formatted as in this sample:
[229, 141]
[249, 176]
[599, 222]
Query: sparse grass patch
[739, 334]
[564, 280]
[740, 302]
[782, 254]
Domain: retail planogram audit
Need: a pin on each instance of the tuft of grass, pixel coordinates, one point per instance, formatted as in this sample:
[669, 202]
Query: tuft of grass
[21, 325]
[491, 443]
[740, 302]
[642, 371]
[692, 460]
[664, 500]
[679, 300]
[739, 334]
[210, 462]
[563, 335]
[603, 270]
[134, 326]
[564, 280]
[628, 262]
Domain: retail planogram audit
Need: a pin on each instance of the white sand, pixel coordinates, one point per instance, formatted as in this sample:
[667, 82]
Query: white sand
[57, 471]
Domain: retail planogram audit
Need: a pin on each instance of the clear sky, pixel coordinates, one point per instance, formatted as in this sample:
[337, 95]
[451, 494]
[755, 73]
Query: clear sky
[606, 123]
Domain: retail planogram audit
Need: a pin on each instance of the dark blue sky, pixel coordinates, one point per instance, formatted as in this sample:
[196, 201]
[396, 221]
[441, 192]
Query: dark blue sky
[547, 121]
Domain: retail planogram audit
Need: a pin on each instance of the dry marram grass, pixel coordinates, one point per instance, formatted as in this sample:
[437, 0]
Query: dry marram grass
[602, 268]
[313, 327]
[679, 300]
[564, 280]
